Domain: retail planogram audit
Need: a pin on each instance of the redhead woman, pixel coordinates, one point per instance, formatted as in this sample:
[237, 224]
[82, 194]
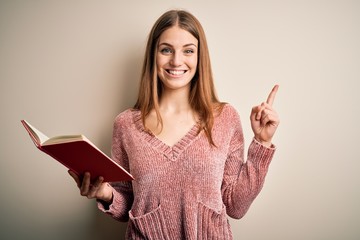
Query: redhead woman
[183, 146]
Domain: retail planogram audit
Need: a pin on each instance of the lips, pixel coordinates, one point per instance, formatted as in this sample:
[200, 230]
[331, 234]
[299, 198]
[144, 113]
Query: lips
[176, 72]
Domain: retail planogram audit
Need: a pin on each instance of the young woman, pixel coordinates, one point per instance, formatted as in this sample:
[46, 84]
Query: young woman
[183, 146]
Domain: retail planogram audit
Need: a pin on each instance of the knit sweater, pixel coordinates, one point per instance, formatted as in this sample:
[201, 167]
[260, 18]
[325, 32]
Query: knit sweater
[187, 190]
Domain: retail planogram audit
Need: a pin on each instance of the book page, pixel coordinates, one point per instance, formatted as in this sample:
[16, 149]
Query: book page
[41, 138]
[63, 139]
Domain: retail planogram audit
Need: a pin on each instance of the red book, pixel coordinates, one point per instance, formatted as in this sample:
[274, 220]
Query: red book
[78, 154]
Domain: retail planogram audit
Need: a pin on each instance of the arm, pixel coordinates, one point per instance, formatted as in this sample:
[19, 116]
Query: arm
[122, 194]
[115, 198]
[122, 198]
[243, 181]
[112, 198]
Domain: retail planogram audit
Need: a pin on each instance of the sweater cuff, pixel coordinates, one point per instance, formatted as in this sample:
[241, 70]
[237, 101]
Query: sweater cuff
[260, 154]
[110, 208]
[103, 206]
[271, 147]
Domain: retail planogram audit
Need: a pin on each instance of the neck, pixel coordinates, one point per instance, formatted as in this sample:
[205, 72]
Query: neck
[175, 101]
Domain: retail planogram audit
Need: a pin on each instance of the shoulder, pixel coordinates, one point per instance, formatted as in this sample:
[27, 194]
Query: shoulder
[125, 114]
[228, 113]
[126, 118]
[227, 119]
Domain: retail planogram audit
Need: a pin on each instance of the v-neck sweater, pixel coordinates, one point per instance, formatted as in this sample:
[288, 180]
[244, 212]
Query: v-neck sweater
[185, 191]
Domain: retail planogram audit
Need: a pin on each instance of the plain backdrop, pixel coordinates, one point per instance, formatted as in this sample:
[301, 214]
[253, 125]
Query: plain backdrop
[70, 67]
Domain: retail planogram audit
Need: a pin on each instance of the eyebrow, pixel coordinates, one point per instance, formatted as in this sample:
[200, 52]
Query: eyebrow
[186, 45]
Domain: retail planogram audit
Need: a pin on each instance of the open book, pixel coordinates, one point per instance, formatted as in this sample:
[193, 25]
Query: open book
[78, 154]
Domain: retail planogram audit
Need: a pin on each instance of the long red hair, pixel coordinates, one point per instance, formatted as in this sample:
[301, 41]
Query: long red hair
[203, 99]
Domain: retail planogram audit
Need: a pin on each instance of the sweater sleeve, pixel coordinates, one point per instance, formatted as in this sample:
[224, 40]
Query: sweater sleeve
[243, 180]
[122, 191]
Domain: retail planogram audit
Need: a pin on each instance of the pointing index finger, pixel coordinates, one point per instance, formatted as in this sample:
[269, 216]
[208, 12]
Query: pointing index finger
[271, 97]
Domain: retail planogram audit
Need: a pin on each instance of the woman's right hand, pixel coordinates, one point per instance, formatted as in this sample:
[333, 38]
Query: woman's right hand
[98, 189]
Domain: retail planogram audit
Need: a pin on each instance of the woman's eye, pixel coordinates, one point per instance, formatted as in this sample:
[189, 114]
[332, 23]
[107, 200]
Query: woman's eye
[166, 51]
[189, 51]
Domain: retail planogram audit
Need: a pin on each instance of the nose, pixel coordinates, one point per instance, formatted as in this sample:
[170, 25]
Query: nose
[176, 59]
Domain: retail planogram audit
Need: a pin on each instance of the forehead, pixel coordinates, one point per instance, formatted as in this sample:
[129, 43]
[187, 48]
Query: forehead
[177, 36]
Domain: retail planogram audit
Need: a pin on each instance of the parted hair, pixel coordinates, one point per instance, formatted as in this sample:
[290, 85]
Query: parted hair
[202, 98]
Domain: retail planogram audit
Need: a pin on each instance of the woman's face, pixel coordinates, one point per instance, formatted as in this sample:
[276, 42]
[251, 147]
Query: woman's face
[176, 58]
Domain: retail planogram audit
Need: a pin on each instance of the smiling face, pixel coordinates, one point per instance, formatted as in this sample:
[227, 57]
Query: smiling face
[176, 58]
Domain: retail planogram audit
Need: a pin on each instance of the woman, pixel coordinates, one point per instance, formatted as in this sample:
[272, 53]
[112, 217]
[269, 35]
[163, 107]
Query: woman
[183, 146]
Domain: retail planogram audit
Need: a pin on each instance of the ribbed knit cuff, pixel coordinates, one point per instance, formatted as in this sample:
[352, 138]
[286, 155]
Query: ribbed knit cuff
[259, 154]
[271, 147]
[117, 209]
[104, 207]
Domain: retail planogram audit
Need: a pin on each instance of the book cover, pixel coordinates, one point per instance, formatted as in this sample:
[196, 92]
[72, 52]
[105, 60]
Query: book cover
[78, 154]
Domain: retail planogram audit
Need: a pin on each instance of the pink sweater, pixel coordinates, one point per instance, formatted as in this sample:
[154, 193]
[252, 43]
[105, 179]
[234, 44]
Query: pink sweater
[185, 191]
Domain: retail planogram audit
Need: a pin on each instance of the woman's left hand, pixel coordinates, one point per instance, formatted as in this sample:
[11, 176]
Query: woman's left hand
[265, 120]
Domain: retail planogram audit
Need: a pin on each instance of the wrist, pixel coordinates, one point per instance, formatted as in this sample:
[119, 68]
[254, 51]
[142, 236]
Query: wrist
[108, 194]
[108, 199]
[106, 203]
[264, 143]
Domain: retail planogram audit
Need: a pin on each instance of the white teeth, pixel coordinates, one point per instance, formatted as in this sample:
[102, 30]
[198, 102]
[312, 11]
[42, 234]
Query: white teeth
[176, 72]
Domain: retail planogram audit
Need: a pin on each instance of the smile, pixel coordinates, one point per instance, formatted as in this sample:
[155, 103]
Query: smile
[176, 72]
